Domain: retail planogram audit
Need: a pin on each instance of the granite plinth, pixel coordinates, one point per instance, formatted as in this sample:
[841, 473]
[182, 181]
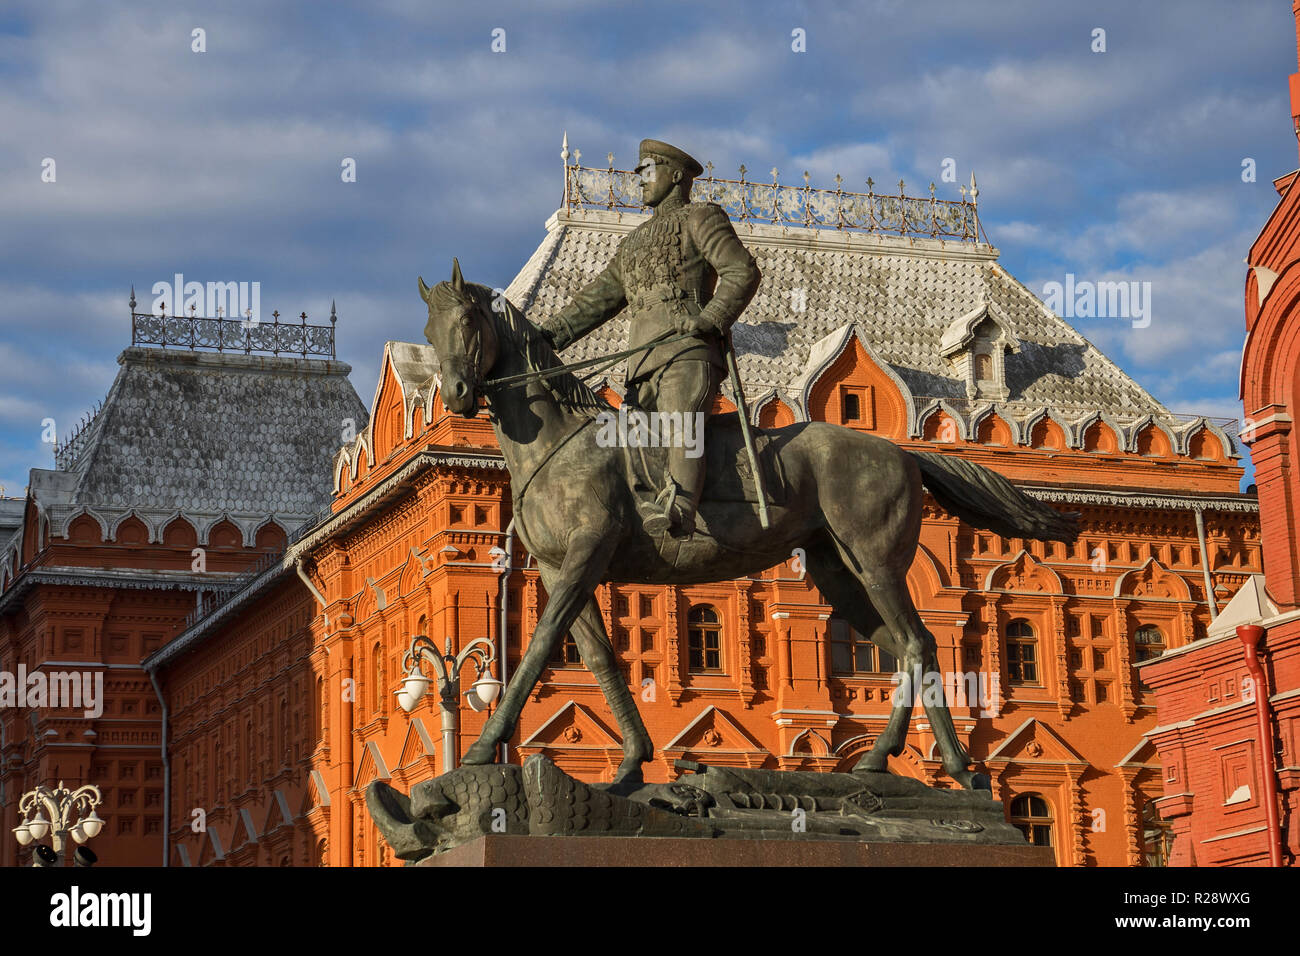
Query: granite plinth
[504, 849]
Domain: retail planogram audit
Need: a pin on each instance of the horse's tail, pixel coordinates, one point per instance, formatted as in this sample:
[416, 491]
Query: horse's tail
[984, 499]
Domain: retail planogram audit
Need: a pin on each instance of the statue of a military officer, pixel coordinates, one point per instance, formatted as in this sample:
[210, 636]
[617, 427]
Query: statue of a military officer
[682, 271]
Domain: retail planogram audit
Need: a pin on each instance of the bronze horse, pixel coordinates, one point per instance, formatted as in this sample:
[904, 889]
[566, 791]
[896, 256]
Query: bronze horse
[852, 504]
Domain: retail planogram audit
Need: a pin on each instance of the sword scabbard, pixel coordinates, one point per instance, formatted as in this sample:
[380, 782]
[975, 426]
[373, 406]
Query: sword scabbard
[734, 369]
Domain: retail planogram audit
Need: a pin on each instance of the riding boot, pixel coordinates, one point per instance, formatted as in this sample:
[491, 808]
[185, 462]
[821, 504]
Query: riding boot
[687, 473]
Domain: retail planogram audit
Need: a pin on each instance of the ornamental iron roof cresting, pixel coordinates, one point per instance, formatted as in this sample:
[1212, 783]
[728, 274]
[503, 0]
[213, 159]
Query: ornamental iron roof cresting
[195, 332]
[588, 187]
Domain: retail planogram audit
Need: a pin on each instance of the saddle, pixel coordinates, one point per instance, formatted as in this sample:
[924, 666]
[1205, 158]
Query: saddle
[727, 473]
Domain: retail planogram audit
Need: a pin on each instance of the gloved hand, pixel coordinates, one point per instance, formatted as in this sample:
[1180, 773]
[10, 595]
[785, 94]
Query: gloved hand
[555, 335]
[695, 324]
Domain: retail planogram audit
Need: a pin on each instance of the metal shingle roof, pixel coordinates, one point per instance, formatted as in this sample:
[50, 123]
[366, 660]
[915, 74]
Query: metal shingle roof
[208, 434]
[903, 293]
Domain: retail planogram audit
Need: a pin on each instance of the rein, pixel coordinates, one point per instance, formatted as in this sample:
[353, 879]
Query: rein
[609, 360]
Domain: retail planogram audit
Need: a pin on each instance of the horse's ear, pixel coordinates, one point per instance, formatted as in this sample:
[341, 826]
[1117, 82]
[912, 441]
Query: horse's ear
[457, 280]
[424, 289]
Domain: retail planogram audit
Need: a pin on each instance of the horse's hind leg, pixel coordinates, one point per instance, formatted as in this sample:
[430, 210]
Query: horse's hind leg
[848, 598]
[598, 655]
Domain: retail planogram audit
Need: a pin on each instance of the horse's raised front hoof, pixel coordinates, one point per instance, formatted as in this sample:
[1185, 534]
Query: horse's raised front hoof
[481, 752]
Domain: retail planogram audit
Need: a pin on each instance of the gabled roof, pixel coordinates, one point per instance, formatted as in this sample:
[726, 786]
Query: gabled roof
[414, 375]
[573, 714]
[824, 353]
[1249, 605]
[961, 333]
[1056, 749]
[414, 365]
[711, 718]
[1150, 756]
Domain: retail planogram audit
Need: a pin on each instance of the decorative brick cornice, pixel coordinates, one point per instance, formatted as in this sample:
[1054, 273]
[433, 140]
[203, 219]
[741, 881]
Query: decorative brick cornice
[1143, 499]
[142, 580]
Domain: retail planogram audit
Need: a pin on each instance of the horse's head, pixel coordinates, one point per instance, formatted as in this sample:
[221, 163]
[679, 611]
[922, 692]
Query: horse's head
[462, 332]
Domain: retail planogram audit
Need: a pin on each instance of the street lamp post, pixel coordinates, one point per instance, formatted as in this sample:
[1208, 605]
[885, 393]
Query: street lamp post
[61, 813]
[446, 667]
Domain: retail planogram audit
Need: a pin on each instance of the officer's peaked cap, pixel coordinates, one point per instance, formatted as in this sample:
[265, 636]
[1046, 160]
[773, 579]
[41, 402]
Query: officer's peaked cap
[653, 147]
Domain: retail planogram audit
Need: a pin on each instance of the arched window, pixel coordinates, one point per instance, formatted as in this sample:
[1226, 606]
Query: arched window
[851, 653]
[1157, 836]
[320, 710]
[704, 640]
[566, 653]
[1022, 653]
[284, 731]
[1032, 816]
[250, 751]
[1148, 642]
[377, 675]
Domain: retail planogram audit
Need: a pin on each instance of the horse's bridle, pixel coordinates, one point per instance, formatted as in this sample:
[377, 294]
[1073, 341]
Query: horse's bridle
[470, 318]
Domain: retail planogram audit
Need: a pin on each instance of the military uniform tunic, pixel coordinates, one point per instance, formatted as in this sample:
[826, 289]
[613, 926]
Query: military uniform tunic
[683, 261]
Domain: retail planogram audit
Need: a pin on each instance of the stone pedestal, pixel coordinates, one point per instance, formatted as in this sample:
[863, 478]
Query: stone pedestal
[535, 815]
[503, 849]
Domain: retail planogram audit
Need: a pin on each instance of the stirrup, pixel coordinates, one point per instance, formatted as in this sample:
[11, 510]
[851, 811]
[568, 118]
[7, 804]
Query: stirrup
[666, 517]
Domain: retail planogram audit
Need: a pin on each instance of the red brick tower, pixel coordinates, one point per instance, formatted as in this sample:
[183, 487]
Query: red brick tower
[1227, 784]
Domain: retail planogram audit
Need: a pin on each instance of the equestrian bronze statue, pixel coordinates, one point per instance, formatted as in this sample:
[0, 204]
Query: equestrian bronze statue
[849, 500]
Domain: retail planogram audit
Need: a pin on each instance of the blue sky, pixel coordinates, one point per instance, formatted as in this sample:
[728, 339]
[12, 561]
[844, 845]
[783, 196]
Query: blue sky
[225, 165]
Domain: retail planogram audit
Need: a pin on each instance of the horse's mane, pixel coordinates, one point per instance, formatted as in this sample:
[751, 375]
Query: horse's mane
[514, 329]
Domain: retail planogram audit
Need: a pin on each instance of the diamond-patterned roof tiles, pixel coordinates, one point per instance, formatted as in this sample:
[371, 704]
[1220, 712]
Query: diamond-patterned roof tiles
[205, 433]
[902, 293]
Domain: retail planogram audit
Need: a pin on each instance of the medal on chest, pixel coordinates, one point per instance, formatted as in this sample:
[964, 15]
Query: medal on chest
[653, 252]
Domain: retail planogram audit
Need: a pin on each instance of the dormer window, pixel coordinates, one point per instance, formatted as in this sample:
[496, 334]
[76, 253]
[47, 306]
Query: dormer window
[856, 409]
[975, 346]
[852, 408]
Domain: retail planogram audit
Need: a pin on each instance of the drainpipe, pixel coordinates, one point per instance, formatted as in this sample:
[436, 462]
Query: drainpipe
[346, 847]
[502, 660]
[1205, 564]
[167, 775]
[315, 592]
[1250, 635]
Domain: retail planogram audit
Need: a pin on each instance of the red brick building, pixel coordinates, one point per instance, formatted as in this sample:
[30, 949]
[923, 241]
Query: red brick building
[1222, 775]
[195, 472]
[281, 698]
